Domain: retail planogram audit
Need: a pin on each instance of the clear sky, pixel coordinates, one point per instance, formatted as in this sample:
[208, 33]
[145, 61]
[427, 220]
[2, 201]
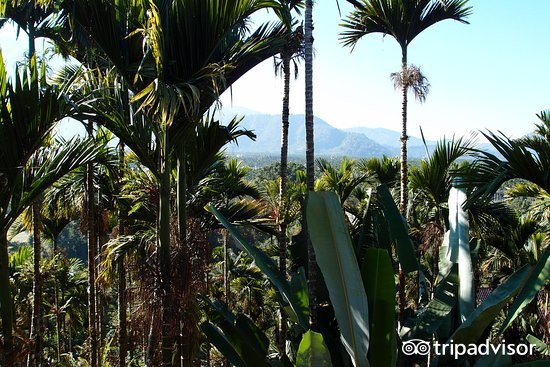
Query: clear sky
[493, 73]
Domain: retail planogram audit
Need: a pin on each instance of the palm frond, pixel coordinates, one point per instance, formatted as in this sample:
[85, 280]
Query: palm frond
[401, 19]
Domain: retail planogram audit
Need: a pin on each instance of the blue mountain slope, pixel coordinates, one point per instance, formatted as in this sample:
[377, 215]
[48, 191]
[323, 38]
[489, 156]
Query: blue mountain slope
[328, 139]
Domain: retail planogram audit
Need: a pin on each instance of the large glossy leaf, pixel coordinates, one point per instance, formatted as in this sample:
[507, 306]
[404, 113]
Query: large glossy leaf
[398, 228]
[537, 279]
[298, 288]
[473, 327]
[245, 338]
[269, 268]
[438, 309]
[459, 251]
[216, 337]
[312, 351]
[336, 259]
[378, 279]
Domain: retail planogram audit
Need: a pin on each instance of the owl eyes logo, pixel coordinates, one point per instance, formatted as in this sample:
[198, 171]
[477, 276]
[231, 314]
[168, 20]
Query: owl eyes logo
[416, 347]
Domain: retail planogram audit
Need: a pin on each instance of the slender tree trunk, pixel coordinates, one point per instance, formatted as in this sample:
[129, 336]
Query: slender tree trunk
[310, 157]
[101, 307]
[57, 307]
[164, 253]
[226, 280]
[6, 302]
[404, 179]
[32, 48]
[122, 325]
[283, 191]
[181, 187]
[36, 327]
[208, 348]
[92, 245]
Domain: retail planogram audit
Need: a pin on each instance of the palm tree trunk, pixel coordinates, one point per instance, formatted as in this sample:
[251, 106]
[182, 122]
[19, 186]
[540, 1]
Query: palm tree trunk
[403, 194]
[32, 48]
[6, 302]
[102, 239]
[226, 280]
[37, 287]
[164, 253]
[122, 325]
[92, 244]
[310, 157]
[283, 190]
[56, 304]
[122, 302]
[181, 188]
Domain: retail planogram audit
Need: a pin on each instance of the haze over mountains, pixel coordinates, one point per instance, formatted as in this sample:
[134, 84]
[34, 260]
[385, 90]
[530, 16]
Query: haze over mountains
[353, 142]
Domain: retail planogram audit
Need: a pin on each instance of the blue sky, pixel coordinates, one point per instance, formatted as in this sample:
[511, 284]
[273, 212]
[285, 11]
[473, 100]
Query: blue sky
[490, 74]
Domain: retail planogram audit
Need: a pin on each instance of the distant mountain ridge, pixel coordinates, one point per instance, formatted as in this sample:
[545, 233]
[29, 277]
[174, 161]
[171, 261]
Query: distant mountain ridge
[360, 142]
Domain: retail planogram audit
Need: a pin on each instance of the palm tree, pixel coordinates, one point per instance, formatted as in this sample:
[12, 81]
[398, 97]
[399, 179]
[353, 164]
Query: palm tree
[403, 20]
[385, 170]
[195, 51]
[29, 109]
[291, 53]
[310, 155]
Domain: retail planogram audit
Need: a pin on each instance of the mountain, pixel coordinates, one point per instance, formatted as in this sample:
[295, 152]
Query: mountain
[392, 139]
[328, 139]
[357, 142]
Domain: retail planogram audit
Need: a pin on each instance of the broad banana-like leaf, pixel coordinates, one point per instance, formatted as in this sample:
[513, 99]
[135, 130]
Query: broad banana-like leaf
[537, 279]
[398, 228]
[298, 288]
[473, 327]
[269, 268]
[438, 309]
[378, 279]
[312, 351]
[336, 259]
[444, 265]
[459, 251]
[245, 338]
[216, 337]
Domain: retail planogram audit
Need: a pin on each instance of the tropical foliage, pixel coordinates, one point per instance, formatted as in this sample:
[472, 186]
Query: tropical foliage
[144, 244]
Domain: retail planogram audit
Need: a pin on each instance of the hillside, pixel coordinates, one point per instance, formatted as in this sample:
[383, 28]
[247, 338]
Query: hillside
[355, 142]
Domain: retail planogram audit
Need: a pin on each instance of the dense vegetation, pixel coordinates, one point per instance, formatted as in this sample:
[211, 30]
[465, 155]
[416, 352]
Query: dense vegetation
[144, 244]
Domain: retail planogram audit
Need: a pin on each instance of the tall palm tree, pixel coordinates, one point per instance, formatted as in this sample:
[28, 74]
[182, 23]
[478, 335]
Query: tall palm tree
[310, 154]
[29, 108]
[194, 51]
[291, 53]
[403, 20]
